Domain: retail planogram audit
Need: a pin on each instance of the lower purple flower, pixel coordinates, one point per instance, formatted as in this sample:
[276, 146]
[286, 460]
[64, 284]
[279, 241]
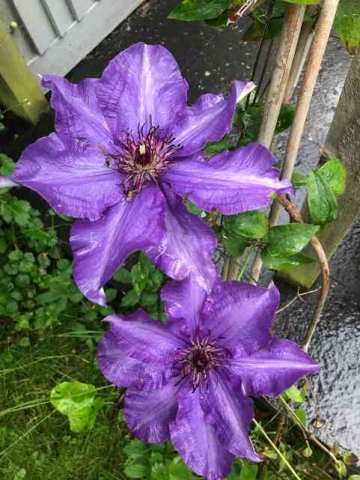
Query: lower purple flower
[190, 380]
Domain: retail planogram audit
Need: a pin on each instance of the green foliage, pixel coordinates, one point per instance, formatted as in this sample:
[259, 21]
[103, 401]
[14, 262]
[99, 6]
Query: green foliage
[303, 2]
[145, 281]
[78, 402]
[287, 240]
[347, 23]
[324, 185]
[190, 10]
[252, 224]
[284, 244]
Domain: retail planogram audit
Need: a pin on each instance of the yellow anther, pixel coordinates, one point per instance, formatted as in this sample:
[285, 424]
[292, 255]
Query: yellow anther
[142, 149]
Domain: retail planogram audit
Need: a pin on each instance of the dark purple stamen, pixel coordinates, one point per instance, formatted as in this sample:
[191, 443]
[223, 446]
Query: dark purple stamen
[197, 360]
[142, 160]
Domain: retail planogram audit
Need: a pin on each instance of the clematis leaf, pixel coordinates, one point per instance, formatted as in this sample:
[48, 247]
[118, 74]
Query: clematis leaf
[299, 180]
[347, 23]
[235, 246]
[77, 401]
[287, 240]
[333, 173]
[179, 471]
[284, 262]
[190, 10]
[321, 200]
[253, 224]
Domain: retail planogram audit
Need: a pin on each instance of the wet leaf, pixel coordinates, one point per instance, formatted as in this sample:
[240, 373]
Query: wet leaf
[252, 224]
[190, 10]
[334, 174]
[286, 262]
[321, 200]
[287, 240]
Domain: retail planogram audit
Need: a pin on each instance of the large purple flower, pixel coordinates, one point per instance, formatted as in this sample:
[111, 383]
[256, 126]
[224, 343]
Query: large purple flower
[190, 380]
[126, 148]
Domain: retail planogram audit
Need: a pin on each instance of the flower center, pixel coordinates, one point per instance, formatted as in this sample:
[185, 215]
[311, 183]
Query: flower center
[142, 160]
[197, 360]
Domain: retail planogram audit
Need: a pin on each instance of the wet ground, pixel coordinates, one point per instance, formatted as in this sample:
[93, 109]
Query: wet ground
[210, 60]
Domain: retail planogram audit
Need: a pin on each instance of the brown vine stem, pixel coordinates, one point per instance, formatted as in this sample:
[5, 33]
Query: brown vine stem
[316, 54]
[324, 265]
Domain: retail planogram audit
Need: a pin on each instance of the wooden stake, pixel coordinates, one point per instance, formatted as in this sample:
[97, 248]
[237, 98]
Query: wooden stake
[316, 54]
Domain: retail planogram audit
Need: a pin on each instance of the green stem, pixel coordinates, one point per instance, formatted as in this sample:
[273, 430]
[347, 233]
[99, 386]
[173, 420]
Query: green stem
[246, 261]
[281, 456]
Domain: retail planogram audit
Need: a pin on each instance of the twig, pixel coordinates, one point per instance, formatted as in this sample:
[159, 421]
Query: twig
[324, 265]
[280, 455]
[298, 296]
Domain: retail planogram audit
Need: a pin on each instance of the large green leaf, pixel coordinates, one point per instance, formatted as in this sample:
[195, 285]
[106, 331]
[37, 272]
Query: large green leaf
[347, 23]
[321, 200]
[287, 240]
[190, 10]
[78, 402]
[284, 262]
[334, 174]
[248, 471]
[252, 224]
[235, 246]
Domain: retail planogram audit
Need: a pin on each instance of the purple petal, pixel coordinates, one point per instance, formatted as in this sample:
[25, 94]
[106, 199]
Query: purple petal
[183, 304]
[233, 182]
[142, 83]
[124, 371]
[187, 246]
[101, 247]
[148, 414]
[7, 182]
[273, 368]
[77, 110]
[71, 176]
[230, 414]
[145, 339]
[196, 440]
[241, 314]
[208, 119]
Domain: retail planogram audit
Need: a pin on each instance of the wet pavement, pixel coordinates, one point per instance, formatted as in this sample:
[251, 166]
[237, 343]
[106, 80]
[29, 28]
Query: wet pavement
[210, 60]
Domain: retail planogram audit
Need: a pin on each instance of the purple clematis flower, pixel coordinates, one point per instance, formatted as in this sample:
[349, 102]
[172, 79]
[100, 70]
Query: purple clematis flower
[190, 380]
[126, 148]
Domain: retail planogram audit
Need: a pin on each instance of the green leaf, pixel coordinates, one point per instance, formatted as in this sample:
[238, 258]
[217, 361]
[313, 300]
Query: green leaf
[135, 449]
[347, 23]
[299, 180]
[252, 224]
[285, 262]
[301, 415]
[286, 117]
[7, 165]
[354, 477]
[349, 458]
[122, 276]
[78, 402]
[341, 468]
[255, 30]
[295, 394]
[287, 240]
[130, 299]
[190, 10]
[321, 200]
[136, 471]
[179, 471]
[248, 471]
[303, 2]
[334, 174]
[235, 246]
[217, 147]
